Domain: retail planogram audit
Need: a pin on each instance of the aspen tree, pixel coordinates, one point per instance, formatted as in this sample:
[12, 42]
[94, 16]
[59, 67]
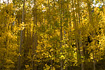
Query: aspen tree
[61, 36]
[35, 37]
[80, 39]
[21, 38]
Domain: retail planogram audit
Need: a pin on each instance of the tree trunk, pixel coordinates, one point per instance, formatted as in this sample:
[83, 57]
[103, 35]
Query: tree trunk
[19, 58]
[94, 63]
[80, 41]
[61, 38]
[34, 37]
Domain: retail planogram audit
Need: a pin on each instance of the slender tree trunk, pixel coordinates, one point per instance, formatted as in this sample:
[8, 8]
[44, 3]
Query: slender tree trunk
[94, 63]
[81, 52]
[80, 41]
[51, 64]
[75, 25]
[34, 37]
[33, 51]
[69, 35]
[61, 38]
[19, 58]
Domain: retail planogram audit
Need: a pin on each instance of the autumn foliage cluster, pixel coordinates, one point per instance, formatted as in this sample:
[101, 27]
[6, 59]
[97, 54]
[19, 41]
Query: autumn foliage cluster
[52, 35]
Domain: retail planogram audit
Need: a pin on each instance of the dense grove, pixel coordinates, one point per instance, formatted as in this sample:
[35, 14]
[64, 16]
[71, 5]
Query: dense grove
[52, 35]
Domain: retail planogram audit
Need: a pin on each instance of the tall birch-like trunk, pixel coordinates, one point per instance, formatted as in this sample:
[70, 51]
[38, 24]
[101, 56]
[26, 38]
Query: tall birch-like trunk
[80, 39]
[49, 20]
[19, 58]
[34, 37]
[75, 25]
[61, 37]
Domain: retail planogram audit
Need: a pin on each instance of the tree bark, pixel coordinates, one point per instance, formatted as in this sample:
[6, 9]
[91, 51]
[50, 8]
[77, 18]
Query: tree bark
[35, 37]
[94, 63]
[61, 38]
[19, 58]
[80, 41]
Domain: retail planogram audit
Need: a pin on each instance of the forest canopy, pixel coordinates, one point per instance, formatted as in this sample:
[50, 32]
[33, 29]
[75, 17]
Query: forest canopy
[52, 35]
